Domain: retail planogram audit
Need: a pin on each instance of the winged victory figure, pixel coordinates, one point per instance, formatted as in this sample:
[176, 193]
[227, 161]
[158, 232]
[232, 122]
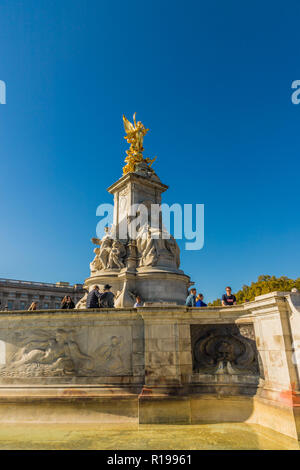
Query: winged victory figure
[135, 133]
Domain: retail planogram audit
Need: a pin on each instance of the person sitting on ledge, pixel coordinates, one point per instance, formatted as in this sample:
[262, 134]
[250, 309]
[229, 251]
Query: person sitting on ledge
[93, 298]
[138, 301]
[228, 299]
[199, 301]
[107, 298]
[191, 298]
[32, 306]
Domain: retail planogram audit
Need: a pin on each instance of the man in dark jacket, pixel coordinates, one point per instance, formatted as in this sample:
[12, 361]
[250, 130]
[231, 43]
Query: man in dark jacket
[228, 299]
[107, 298]
[93, 297]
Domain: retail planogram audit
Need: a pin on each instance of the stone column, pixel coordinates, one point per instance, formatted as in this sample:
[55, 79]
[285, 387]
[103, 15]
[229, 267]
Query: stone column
[278, 402]
[162, 399]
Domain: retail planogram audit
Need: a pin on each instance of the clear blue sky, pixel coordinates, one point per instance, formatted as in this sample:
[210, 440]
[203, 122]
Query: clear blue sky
[212, 81]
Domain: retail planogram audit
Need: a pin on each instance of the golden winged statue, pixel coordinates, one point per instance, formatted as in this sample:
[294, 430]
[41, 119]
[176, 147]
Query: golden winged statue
[135, 136]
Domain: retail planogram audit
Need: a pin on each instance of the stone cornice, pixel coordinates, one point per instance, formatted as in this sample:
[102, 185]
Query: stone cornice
[134, 178]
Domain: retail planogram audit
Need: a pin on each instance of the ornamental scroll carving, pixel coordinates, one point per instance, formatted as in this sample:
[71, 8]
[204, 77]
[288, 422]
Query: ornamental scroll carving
[224, 349]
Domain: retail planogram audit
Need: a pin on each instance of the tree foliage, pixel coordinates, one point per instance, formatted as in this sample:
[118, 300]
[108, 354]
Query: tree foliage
[263, 285]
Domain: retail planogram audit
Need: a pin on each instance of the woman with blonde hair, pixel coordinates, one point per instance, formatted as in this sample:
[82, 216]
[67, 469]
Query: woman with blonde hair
[63, 303]
[32, 306]
[199, 301]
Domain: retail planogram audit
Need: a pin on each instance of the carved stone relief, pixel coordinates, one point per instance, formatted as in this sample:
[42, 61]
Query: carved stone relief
[224, 349]
[56, 353]
[110, 254]
[152, 249]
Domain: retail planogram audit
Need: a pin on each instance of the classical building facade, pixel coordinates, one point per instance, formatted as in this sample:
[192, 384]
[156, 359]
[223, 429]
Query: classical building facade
[18, 295]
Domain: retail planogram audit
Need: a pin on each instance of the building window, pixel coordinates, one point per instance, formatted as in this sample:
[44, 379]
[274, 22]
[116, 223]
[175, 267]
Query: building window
[22, 305]
[57, 305]
[10, 305]
[46, 305]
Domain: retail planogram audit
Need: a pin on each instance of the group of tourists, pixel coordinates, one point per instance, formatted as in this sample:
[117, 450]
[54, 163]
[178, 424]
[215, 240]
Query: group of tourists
[194, 300]
[97, 299]
[105, 299]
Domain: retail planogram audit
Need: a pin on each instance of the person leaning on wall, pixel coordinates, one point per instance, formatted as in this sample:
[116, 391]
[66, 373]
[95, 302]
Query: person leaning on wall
[33, 306]
[107, 298]
[199, 301]
[191, 298]
[138, 301]
[93, 298]
[228, 299]
[67, 303]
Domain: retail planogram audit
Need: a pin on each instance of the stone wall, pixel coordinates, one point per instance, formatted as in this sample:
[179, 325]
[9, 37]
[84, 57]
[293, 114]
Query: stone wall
[154, 365]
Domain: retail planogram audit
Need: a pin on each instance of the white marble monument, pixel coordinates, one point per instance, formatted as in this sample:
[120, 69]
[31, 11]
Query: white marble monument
[137, 256]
